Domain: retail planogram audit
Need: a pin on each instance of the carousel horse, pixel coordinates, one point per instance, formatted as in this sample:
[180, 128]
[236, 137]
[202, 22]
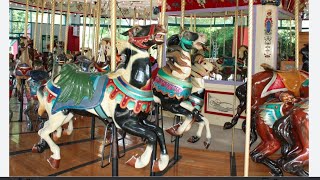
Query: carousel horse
[226, 65]
[12, 83]
[305, 57]
[23, 65]
[200, 68]
[124, 95]
[172, 85]
[293, 132]
[269, 130]
[264, 85]
[104, 57]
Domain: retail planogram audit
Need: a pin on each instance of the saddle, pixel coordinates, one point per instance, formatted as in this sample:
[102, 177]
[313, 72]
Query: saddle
[284, 80]
[77, 90]
[23, 69]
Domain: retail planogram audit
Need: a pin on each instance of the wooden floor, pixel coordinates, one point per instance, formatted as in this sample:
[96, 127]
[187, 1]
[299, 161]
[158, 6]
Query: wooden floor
[80, 156]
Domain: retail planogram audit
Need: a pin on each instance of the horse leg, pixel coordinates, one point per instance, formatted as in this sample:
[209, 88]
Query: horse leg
[27, 114]
[203, 122]
[268, 146]
[242, 96]
[55, 121]
[300, 123]
[69, 130]
[132, 126]
[161, 163]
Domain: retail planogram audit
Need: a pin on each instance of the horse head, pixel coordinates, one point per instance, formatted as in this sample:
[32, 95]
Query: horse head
[85, 63]
[192, 40]
[144, 37]
[202, 67]
[305, 52]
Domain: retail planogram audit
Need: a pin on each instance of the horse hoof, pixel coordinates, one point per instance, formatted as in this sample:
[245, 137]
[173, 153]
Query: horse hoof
[172, 132]
[54, 163]
[155, 166]
[193, 139]
[206, 144]
[227, 125]
[132, 161]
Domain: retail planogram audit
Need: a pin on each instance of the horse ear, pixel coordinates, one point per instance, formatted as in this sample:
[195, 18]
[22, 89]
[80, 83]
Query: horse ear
[125, 33]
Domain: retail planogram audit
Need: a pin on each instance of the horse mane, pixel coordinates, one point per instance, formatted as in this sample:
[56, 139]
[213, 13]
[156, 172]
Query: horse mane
[267, 67]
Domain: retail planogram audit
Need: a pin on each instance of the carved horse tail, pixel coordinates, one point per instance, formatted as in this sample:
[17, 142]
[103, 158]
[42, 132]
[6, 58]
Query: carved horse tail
[241, 93]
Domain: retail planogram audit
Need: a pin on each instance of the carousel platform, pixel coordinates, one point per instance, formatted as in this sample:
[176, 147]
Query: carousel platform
[80, 155]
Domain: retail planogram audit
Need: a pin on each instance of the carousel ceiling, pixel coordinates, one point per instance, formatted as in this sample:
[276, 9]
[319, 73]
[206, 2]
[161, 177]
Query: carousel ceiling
[125, 8]
[141, 8]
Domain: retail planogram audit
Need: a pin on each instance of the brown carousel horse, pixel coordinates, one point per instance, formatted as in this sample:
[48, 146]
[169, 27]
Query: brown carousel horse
[24, 64]
[274, 128]
[264, 85]
[295, 144]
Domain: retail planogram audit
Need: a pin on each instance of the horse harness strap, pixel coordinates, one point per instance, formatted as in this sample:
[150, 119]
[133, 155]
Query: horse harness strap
[138, 41]
[184, 42]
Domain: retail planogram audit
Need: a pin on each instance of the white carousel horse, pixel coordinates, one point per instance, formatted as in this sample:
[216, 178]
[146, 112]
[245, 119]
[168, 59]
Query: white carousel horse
[172, 85]
[124, 95]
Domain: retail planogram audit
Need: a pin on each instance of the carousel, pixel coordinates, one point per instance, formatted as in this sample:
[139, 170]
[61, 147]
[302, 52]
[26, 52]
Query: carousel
[159, 88]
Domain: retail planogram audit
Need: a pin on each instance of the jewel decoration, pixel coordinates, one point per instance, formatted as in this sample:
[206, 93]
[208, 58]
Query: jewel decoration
[268, 23]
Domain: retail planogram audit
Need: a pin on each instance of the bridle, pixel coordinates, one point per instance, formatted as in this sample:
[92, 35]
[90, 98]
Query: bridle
[139, 41]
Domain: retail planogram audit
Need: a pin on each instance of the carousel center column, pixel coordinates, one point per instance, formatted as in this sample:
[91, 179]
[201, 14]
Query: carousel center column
[265, 34]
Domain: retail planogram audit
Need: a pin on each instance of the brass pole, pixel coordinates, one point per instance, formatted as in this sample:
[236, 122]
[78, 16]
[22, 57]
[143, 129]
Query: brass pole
[67, 29]
[26, 21]
[36, 26]
[162, 21]
[60, 26]
[113, 19]
[249, 85]
[84, 26]
[40, 33]
[296, 17]
[53, 5]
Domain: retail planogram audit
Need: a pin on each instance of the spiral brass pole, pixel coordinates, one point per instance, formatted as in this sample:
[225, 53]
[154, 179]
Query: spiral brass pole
[67, 28]
[235, 70]
[162, 22]
[183, 7]
[296, 17]
[113, 19]
[249, 85]
[53, 5]
[60, 25]
[84, 26]
[98, 17]
[94, 31]
[36, 26]
[210, 49]
[145, 16]
[26, 19]
[90, 18]
[40, 31]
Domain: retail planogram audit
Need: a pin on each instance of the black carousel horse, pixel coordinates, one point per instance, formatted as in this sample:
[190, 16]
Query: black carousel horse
[125, 96]
[305, 57]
